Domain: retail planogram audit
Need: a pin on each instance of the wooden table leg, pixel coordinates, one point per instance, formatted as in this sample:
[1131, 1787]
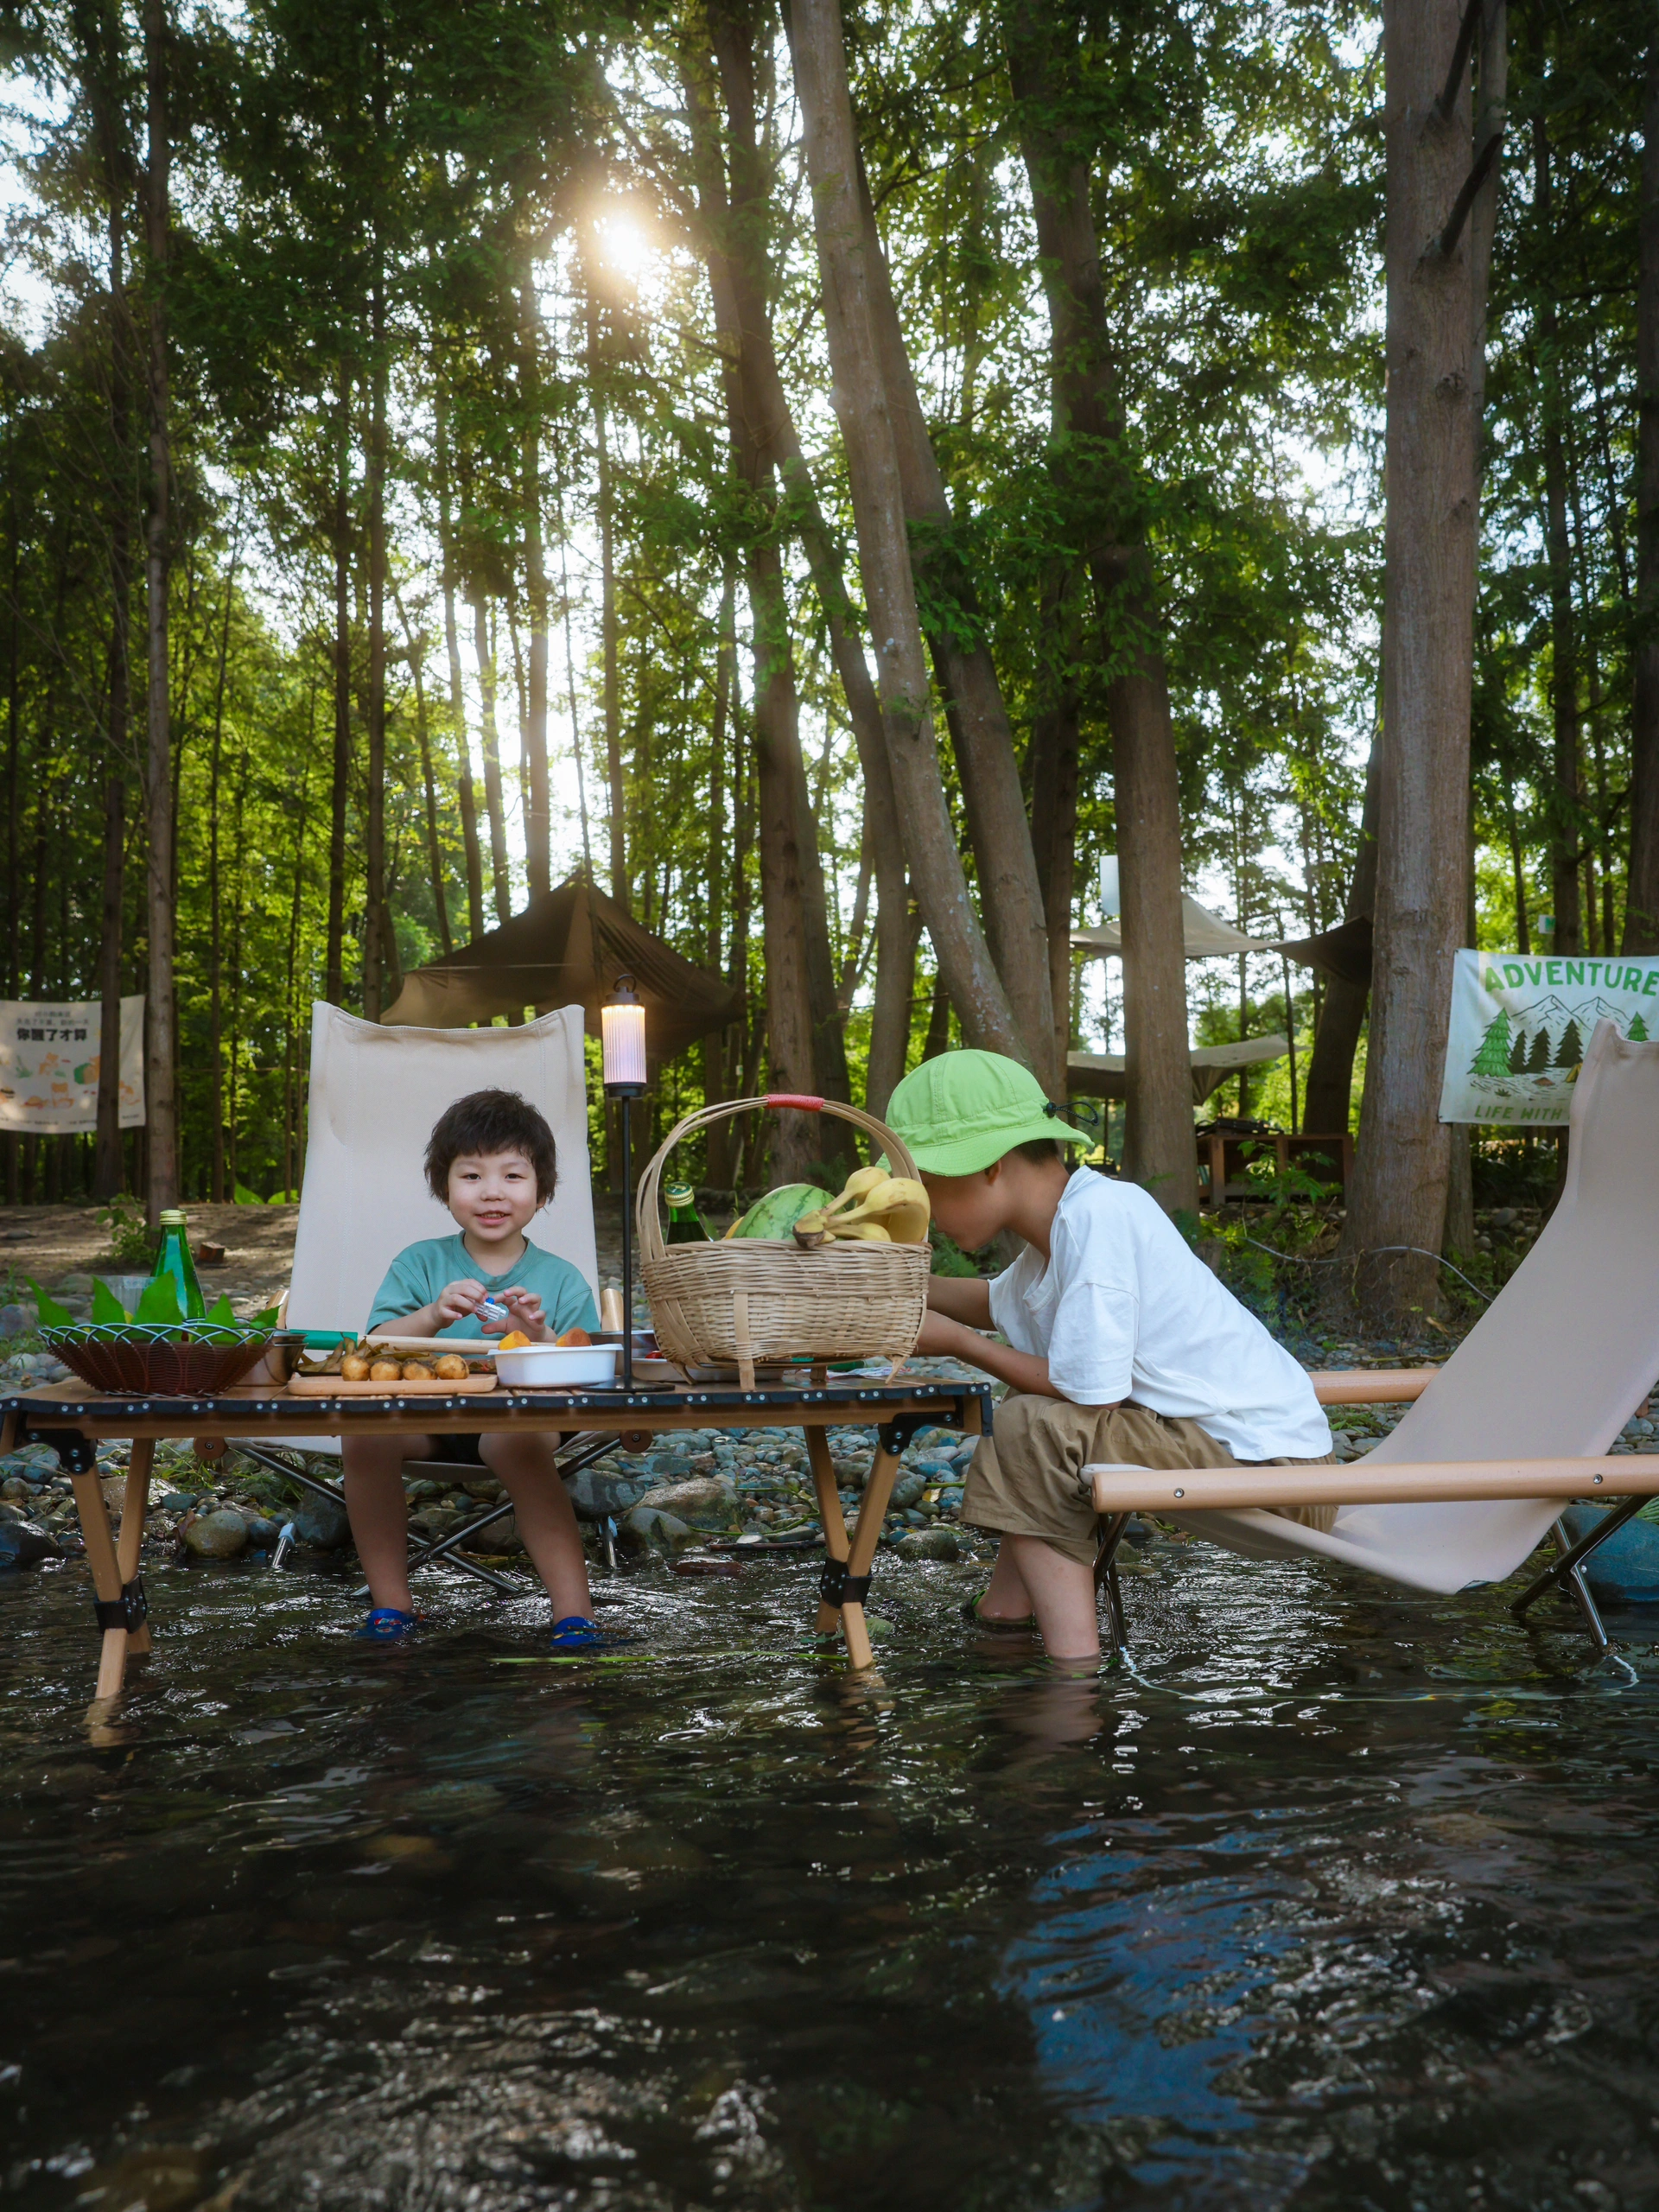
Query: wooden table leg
[106, 1575]
[9, 1428]
[872, 1512]
[134, 1507]
[835, 1527]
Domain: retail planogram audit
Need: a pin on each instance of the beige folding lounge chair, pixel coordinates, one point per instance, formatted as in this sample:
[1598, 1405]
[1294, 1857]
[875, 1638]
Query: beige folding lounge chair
[375, 1093]
[1518, 1421]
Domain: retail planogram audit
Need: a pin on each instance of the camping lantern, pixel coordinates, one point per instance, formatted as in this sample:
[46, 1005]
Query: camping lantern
[622, 1034]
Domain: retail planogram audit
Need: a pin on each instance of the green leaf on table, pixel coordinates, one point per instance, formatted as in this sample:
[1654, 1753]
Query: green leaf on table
[51, 1315]
[158, 1301]
[107, 1309]
[265, 1320]
[221, 1310]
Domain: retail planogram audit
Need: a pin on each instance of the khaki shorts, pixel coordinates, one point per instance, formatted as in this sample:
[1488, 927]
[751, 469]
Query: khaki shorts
[1026, 1478]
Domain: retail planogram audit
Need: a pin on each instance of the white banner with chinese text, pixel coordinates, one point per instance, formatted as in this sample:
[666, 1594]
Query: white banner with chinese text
[49, 1065]
[1520, 1023]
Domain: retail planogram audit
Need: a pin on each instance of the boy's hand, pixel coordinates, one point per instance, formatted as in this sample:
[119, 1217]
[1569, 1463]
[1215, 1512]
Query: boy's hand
[941, 1337]
[457, 1301]
[525, 1307]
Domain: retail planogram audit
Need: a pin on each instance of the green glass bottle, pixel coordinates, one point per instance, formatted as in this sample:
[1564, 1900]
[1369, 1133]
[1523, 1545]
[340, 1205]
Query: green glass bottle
[684, 1223]
[173, 1258]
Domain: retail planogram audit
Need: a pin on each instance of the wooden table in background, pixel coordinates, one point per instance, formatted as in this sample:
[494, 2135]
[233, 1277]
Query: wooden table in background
[1330, 1160]
[74, 1419]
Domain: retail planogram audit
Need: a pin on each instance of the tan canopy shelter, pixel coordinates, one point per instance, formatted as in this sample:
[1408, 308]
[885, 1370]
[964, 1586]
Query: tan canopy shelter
[1345, 951]
[568, 948]
[1101, 1074]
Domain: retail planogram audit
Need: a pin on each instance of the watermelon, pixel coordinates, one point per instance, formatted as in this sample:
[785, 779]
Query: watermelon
[776, 1214]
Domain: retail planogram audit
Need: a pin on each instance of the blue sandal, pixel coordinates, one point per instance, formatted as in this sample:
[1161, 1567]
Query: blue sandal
[576, 1635]
[386, 1625]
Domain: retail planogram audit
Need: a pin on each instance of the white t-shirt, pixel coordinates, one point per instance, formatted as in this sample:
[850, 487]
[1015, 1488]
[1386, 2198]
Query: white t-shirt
[1124, 1308]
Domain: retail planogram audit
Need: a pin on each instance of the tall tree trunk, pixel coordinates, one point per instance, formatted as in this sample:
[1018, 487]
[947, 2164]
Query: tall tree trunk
[215, 938]
[1642, 902]
[377, 926]
[339, 790]
[929, 842]
[1326, 1104]
[416, 648]
[619, 824]
[718, 862]
[464, 793]
[162, 1048]
[1011, 895]
[537, 823]
[1398, 1194]
[1566, 821]
[484, 650]
[735, 215]
[1158, 1149]
[108, 1175]
[1055, 743]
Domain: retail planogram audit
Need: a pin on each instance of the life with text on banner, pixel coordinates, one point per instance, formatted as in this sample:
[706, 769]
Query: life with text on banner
[1520, 1024]
[50, 1062]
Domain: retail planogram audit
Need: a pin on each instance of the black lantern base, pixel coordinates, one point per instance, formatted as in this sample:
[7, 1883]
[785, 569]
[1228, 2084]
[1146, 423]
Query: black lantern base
[625, 1094]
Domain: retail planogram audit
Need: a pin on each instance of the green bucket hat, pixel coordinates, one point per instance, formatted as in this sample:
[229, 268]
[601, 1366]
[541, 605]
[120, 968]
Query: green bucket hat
[965, 1109]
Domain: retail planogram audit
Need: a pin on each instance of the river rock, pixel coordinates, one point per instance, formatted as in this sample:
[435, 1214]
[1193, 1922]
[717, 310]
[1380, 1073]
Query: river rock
[908, 1488]
[646, 1528]
[16, 1320]
[320, 1522]
[262, 1533]
[704, 1502]
[23, 1544]
[222, 1535]
[501, 1536]
[1624, 1570]
[604, 1492]
[930, 1543]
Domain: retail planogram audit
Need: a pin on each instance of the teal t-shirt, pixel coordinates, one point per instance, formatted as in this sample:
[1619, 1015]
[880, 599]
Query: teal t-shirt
[421, 1271]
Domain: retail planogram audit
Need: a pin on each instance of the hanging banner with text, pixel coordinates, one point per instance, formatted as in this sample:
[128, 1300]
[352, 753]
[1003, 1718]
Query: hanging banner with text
[49, 1065]
[1520, 1025]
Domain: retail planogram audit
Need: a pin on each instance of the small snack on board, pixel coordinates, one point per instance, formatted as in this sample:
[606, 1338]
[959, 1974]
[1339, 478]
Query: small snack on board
[367, 1368]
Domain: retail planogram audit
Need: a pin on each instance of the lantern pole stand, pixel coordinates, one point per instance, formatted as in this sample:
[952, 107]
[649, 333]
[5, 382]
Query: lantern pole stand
[622, 1026]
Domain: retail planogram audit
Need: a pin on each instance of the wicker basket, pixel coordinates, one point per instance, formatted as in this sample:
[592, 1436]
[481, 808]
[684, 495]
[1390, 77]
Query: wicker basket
[763, 1299]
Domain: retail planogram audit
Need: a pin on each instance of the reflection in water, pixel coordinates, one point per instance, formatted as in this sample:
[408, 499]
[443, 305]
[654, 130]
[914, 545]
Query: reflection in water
[1338, 1899]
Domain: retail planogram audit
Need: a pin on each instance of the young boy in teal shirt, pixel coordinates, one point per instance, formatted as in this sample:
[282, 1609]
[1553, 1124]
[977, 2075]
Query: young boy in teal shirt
[491, 1160]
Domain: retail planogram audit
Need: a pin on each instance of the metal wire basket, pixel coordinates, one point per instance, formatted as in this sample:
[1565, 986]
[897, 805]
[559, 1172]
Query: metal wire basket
[158, 1358]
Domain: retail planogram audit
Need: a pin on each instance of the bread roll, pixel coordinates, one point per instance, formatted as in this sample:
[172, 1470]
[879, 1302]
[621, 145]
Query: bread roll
[355, 1367]
[416, 1370]
[452, 1367]
[386, 1371]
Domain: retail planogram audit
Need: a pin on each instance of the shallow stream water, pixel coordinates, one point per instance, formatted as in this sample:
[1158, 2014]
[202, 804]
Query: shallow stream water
[1341, 1898]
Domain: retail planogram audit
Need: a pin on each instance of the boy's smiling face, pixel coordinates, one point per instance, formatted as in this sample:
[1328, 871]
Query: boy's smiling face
[491, 1195]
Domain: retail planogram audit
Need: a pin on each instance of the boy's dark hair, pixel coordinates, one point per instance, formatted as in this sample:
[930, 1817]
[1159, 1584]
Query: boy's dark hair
[491, 1120]
[1038, 1149]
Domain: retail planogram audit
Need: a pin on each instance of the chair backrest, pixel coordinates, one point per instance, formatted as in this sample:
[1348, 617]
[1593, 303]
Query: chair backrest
[375, 1095]
[1568, 1349]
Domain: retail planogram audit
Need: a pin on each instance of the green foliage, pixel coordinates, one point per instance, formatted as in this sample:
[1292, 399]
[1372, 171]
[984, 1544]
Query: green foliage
[948, 1259]
[131, 1240]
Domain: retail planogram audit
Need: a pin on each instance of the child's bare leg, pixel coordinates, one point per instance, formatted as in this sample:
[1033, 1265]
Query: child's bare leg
[546, 1519]
[379, 1512]
[1007, 1597]
[1062, 1597]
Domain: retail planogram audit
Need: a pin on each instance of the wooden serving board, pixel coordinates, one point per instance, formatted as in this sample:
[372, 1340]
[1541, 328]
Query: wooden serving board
[331, 1386]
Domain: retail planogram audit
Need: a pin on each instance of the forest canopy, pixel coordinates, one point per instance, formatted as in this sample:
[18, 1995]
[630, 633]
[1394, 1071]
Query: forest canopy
[459, 393]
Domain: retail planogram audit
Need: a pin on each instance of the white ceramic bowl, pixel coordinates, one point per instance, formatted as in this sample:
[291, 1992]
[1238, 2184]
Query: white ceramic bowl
[557, 1367]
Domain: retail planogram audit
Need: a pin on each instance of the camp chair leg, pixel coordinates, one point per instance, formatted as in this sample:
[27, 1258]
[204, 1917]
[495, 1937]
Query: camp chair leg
[1111, 1536]
[1568, 1569]
[332, 1492]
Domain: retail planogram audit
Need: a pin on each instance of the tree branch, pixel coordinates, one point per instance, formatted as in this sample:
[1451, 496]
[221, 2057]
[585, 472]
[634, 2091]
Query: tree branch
[1466, 29]
[1444, 245]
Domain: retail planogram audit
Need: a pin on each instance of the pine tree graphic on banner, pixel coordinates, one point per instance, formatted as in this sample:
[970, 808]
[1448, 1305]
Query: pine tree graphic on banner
[1637, 1032]
[1493, 1057]
[1518, 1053]
[1538, 1057]
[1569, 1052]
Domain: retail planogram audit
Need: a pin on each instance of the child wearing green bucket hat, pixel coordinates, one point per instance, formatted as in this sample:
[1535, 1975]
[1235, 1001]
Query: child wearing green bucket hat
[1121, 1345]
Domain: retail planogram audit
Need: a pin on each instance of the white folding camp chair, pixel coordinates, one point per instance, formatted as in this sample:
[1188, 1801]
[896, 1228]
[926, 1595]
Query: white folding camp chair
[1518, 1421]
[375, 1094]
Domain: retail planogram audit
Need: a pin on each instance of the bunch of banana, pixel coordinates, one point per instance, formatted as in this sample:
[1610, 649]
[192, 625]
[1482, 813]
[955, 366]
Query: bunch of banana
[874, 1208]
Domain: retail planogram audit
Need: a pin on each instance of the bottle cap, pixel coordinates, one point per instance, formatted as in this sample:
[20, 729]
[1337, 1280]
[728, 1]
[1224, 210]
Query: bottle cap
[678, 1194]
[171, 1217]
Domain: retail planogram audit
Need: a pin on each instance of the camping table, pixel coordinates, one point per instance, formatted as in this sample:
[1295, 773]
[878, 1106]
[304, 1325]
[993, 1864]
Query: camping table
[73, 1420]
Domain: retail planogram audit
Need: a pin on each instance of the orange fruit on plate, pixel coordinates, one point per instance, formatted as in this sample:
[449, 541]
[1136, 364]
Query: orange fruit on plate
[512, 1340]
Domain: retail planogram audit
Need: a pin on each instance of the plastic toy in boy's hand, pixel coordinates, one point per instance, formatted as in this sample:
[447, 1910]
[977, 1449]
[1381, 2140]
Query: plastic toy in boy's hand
[493, 1313]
